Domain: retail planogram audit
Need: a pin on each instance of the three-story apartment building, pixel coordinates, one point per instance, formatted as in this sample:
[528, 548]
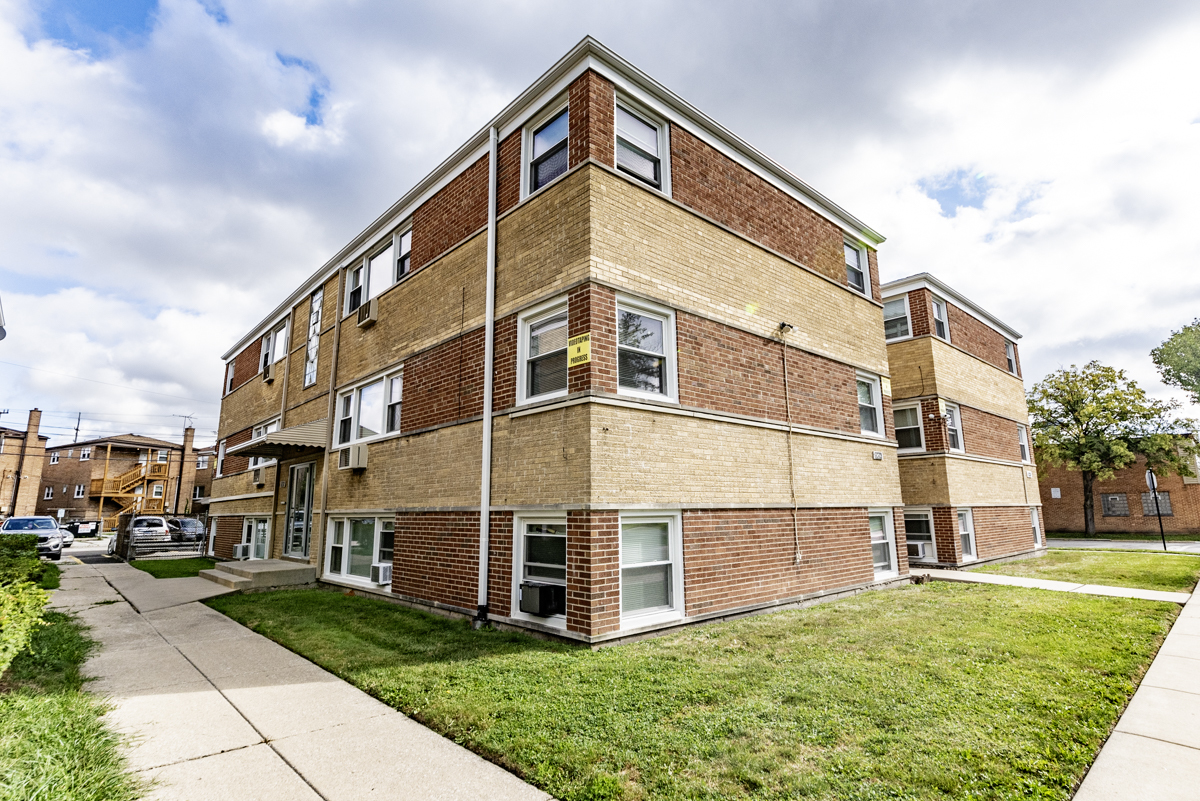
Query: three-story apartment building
[607, 369]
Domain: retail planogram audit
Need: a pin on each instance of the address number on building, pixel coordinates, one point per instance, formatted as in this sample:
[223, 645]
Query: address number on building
[579, 349]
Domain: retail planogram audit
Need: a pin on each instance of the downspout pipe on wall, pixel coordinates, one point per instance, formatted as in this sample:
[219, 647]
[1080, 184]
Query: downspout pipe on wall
[485, 479]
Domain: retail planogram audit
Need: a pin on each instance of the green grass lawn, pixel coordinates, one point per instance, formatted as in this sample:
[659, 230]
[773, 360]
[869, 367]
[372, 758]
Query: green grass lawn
[1144, 571]
[175, 568]
[53, 744]
[937, 691]
[1122, 537]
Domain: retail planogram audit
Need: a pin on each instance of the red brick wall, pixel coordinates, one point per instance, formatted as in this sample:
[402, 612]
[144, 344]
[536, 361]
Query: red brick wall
[245, 364]
[936, 438]
[989, 435]
[945, 535]
[504, 369]
[593, 572]
[1002, 530]
[976, 338]
[901, 539]
[735, 558]
[437, 558]
[229, 534]
[444, 383]
[594, 308]
[236, 463]
[719, 188]
[1066, 513]
[873, 264]
[508, 172]
[592, 133]
[447, 218]
[920, 313]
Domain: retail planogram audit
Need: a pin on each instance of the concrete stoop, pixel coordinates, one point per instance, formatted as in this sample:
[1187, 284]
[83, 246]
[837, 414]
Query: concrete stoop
[260, 574]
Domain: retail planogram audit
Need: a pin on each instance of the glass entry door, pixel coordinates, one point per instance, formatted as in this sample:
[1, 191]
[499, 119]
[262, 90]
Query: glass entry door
[299, 511]
[256, 533]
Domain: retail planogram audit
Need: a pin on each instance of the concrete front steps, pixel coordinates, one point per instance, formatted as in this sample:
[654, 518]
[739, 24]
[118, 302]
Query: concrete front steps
[260, 574]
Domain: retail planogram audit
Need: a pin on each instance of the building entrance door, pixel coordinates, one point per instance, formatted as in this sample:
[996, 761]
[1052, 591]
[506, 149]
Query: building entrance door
[257, 534]
[299, 513]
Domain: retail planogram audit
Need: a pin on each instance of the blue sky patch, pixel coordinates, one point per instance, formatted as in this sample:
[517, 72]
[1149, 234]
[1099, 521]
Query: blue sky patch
[319, 86]
[958, 189]
[94, 24]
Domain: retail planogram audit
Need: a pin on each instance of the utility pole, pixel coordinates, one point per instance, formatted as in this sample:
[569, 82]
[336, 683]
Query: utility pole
[78, 419]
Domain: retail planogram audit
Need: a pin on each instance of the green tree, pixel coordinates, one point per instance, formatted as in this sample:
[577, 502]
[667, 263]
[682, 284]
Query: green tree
[1095, 420]
[1178, 359]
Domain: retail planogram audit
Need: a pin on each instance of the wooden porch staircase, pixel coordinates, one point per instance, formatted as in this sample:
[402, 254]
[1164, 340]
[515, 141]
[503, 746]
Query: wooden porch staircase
[122, 490]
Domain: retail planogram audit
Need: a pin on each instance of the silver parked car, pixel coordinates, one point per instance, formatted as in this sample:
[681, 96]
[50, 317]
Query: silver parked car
[50, 541]
[149, 528]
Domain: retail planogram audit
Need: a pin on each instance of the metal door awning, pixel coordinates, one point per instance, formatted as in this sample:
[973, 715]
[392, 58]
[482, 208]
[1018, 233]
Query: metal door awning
[286, 443]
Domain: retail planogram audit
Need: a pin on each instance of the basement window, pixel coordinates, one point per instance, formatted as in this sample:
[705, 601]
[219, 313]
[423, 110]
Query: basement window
[651, 569]
[883, 544]
[540, 576]
[358, 547]
[918, 535]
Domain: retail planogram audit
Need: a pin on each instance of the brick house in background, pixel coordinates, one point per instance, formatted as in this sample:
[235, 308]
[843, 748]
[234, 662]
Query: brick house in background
[1123, 504]
[686, 344]
[966, 469]
[22, 457]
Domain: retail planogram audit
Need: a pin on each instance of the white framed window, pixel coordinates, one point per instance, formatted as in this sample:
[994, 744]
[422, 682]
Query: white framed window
[883, 543]
[403, 245]
[202, 461]
[540, 559]
[85, 454]
[641, 146]
[382, 267]
[645, 350]
[229, 368]
[966, 534]
[79, 490]
[954, 435]
[54, 458]
[197, 492]
[365, 411]
[918, 534]
[909, 433]
[274, 346]
[356, 544]
[221, 459]
[1036, 523]
[162, 456]
[856, 266]
[895, 319]
[1023, 441]
[1010, 356]
[542, 352]
[48, 494]
[156, 491]
[870, 405]
[941, 324]
[313, 343]
[546, 152]
[651, 568]
[258, 432]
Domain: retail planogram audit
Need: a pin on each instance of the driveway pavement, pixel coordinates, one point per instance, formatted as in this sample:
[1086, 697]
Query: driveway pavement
[214, 711]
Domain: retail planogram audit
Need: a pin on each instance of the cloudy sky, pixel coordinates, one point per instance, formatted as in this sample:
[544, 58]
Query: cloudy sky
[170, 170]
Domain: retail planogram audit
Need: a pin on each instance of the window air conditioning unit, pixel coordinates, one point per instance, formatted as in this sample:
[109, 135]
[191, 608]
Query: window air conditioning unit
[381, 574]
[257, 477]
[353, 458]
[368, 313]
[920, 550]
[543, 600]
[241, 551]
[268, 373]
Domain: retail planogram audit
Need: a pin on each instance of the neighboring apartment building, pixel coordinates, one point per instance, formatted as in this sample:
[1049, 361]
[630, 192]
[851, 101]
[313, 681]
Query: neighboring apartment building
[22, 457]
[113, 476]
[970, 485]
[206, 463]
[1123, 503]
[686, 414]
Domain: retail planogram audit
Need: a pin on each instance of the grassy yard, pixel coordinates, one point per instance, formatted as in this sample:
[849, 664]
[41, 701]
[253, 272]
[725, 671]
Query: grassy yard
[53, 744]
[936, 691]
[175, 568]
[1144, 571]
[1135, 537]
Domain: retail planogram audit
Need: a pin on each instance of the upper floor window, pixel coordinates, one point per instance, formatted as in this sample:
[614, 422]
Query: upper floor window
[543, 351]
[1010, 356]
[908, 428]
[48, 494]
[856, 264]
[941, 326]
[221, 459]
[313, 344]
[162, 457]
[645, 350]
[274, 346]
[895, 318]
[54, 458]
[638, 147]
[954, 428]
[85, 454]
[1023, 441]
[197, 492]
[202, 461]
[79, 490]
[403, 254]
[229, 378]
[395, 394]
[548, 155]
[870, 412]
[379, 270]
[258, 432]
[369, 410]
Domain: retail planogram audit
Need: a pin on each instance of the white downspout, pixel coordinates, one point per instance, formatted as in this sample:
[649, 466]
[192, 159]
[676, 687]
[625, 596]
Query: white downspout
[485, 481]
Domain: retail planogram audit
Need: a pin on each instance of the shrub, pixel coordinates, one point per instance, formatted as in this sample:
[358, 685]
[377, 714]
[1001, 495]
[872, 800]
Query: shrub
[21, 608]
[17, 546]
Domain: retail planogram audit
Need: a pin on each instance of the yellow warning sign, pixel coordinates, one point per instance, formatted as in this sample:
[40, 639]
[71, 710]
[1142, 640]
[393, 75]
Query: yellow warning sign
[579, 349]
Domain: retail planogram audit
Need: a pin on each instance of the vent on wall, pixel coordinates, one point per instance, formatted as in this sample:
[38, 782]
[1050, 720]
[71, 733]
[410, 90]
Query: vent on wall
[381, 574]
[241, 551]
[368, 313]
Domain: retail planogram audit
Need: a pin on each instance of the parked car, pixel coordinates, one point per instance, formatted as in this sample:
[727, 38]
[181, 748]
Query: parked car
[49, 536]
[186, 529]
[68, 536]
[149, 528]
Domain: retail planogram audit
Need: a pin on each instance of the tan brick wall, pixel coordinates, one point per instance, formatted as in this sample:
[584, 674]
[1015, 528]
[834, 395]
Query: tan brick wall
[308, 412]
[1066, 513]
[924, 481]
[929, 366]
[248, 405]
[983, 483]
[297, 393]
[541, 458]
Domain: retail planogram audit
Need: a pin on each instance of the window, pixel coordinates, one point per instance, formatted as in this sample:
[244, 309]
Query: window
[363, 413]
[379, 270]
[1036, 522]
[1023, 441]
[883, 544]
[966, 534]
[357, 543]
[162, 457]
[48, 494]
[395, 395]
[1164, 504]
[954, 436]
[229, 378]
[85, 454]
[403, 254]
[1116, 505]
[1010, 355]
[908, 428]
[355, 282]
[895, 318]
[274, 346]
[78, 490]
[258, 432]
[645, 350]
[543, 352]
[202, 461]
[197, 492]
[855, 266]
[221, 458]
[313, 345]
[918, 533]
[651, 589]
[548, 156]
[54, 458]
[870, 415]
[156, 491]
[1055, 492]
[637, 149]
[940, 325]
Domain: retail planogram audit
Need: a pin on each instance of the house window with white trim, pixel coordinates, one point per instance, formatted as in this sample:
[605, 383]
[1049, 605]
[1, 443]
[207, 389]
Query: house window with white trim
[637, 149]
[48, 494]
[202, 461]
[548, 151]
[966, 534]
[197, 492]
[162, 457]
[542, 352]
[79, 491]
[954, 437]
[541, 559]
[85, 454]
[895, 318]
[221, 459]
[856, 266]
[941, 325]
[156, 491]
[1010, 356]
[259, 432]
[908, 428]
[313, 345]
[364, 412]
[54, 458]
[1036, 522]
[1023, 442]
[645, 350]
[274, 346]
[918, 534]
[403, 254]
[883, 544]
[395, 396]
[651, 569]
[229, 368]
[870, 405]
[356, 544]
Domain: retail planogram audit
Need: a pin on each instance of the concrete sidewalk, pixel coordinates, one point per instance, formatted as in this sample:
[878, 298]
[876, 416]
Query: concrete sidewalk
[968, 577]
[1180, 547]
[215, 711]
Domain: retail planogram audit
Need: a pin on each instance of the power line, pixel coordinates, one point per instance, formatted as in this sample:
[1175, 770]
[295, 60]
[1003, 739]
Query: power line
[105, 383]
